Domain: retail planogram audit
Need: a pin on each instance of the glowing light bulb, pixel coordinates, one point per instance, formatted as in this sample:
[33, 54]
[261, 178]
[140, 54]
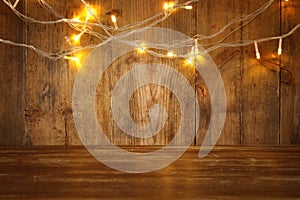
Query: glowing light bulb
[168, 6]
[89, 12]
[188, 7]
[190, 60]
[75, 59]
[256, 50]
[76, 38]
[280, 47]
[76, 19]
[171, 54]
[114, 20]
[171, 5]
[195, 51]
[141, 49]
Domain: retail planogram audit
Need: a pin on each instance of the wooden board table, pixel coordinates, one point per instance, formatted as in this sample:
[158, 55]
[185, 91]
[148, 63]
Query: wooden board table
[227, 172]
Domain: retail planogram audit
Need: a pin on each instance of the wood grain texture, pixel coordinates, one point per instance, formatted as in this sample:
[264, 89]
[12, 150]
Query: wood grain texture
[260, 78]
[74, 8]
[45, 90]
[290, 77]
[211, 17]
[262, 96]
[226, 173]
[11, 79]
[145, 97]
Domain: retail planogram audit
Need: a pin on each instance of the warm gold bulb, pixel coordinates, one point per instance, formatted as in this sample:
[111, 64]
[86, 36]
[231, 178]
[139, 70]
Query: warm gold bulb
[76, 38]
[171, 54]
[113, 19]
[141, 49]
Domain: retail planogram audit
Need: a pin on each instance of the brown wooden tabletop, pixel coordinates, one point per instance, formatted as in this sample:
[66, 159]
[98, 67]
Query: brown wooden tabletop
[227, 172]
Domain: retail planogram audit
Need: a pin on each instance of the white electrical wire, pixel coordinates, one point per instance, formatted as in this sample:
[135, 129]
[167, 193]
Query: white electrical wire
[122, 32]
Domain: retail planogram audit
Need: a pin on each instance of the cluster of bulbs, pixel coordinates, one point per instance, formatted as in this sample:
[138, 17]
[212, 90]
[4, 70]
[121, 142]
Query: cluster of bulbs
[279, 51]
[85, 22]
[88, 14]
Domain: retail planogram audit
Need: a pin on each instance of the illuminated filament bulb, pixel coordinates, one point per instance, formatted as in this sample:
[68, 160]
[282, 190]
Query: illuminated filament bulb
[114, 20]
[76, 38]
[75, 59]
[141, 49]
[256, 50]
[171, 54]
[191, 59]
[188, 7]
[76, 19]
[280, 47]
[168, 6]
[194, 55]
[90, 12]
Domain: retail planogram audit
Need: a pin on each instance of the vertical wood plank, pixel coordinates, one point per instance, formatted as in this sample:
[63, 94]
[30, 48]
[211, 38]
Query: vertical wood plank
[74, 8]
[290, 76]
[11, 78]
[260, 81]
[44, 90]
[212, 15]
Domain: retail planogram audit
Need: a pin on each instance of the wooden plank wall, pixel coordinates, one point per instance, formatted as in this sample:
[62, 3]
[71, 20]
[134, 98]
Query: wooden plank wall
[11, 79]
[263, 102]
[260, 79]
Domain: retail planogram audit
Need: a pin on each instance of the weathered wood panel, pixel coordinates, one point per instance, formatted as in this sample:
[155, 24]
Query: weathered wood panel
[74, 8]
[290, 76]
[262, 99]
[260, 78]
[11, 79]
[45, 91]
[211, 17]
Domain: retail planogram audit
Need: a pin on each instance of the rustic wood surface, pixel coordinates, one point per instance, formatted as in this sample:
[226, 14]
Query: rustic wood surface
[11, 79]
[262, 96]
[228, 62]
[290, 78]
[226, 173]
[260, 79]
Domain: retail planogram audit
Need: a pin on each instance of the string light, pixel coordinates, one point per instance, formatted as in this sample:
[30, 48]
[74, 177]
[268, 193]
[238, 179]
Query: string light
[16, 3]
[141, 49]
[75, 59]
[76, 38]
[190, 60]
[280, 47]
[90, 12]
[87, 16]
[171, 54]
[83, 24]
[188, 7]
[256, 50]
[194, 55]
[168, 6]
[114, 20]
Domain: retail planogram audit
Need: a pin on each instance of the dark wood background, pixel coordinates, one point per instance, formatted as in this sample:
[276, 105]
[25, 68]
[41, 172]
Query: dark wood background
[263, 105]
